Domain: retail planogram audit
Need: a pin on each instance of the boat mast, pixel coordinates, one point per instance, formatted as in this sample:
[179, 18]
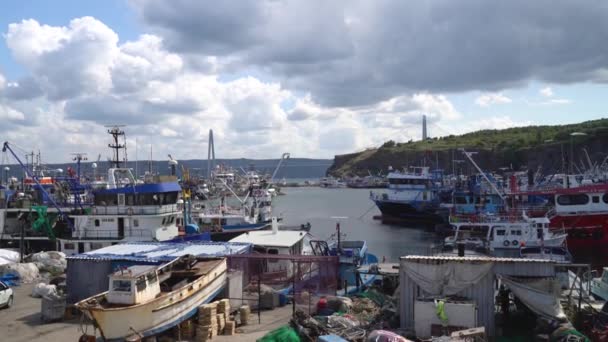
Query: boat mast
[468, 155]
[119, 143]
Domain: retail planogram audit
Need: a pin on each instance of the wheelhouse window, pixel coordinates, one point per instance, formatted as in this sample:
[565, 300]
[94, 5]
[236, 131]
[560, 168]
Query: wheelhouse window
[96, 222]
[578, 199]
[121, 285]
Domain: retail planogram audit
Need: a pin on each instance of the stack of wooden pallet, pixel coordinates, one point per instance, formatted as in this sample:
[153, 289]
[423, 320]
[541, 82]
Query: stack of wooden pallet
[207, 322]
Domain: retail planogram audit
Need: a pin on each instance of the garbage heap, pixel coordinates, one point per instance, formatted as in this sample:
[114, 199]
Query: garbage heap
[352, 319]
[41, 266]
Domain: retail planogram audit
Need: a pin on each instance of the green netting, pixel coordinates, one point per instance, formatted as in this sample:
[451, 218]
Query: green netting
[42, 222]
[282, 334]
[373, 295]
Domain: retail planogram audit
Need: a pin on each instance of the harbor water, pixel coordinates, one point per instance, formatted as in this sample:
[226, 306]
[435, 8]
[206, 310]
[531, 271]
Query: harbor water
[321, 207]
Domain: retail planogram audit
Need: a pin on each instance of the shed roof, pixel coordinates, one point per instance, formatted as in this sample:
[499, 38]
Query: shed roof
[163, 251]
[282, 238]
[474, 259]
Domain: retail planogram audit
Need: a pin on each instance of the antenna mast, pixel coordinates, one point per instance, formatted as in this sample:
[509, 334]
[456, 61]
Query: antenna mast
[119, 143]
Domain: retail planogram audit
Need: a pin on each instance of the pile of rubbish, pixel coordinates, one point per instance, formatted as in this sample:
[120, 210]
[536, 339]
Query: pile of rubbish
[353, 319]
[8, 256]
[51, 262]
[47, 264]
[25, 272]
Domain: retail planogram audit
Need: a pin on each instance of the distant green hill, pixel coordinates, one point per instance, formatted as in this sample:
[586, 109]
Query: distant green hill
[517, 147]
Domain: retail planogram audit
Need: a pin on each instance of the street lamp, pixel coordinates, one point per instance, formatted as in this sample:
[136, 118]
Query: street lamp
[572, 135]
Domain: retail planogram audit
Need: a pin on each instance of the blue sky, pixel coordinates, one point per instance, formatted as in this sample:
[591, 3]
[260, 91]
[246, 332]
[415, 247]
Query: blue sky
[115, 13]
[313, 77]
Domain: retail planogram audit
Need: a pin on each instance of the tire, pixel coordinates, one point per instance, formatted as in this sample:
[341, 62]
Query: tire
[515, 242]
[506, 243]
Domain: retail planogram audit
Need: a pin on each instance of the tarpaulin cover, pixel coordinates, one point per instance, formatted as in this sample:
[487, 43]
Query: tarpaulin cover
[446, 279]
[282, 334]
[539, 295]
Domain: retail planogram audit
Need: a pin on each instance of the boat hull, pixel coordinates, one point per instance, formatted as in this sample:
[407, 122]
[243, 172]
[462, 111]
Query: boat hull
[151, 318]
[406, 213]
[585, 232]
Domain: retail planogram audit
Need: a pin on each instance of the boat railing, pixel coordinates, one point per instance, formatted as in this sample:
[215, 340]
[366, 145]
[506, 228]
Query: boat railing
[481, 218]
[136, 210]
[102, 234]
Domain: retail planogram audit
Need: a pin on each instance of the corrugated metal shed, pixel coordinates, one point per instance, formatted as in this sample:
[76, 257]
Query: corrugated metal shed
[87, 273]
[154, 252]
[482, 293]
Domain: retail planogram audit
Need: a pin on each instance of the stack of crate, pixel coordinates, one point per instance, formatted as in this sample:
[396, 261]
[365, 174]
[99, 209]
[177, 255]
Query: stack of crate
[207, 322]
[227, 325]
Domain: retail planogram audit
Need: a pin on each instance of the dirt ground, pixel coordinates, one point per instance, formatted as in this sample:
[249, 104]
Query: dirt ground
[22, 322]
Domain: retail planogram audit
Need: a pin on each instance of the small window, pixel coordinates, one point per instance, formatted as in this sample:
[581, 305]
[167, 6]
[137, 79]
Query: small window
[172, 219]
[163, 223]
[68, 246]
[273, 251]
[96, 222]
[605, 198]
[135, 223]
[516, 232]
[500, 232]
[140, 285]
[579, 199]
[121, 285]
[96, 245]
[596, 199]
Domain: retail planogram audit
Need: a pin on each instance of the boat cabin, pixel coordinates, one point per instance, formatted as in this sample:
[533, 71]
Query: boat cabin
[133, 285]
[505, 233]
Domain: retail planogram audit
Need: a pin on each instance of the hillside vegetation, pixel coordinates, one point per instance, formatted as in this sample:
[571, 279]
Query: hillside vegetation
[516, 148]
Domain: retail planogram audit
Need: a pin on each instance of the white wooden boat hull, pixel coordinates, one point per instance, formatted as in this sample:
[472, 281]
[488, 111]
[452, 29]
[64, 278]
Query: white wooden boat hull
[155, 316]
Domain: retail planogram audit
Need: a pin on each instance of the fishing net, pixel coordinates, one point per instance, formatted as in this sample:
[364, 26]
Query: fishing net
[42, 222]
[282, 334]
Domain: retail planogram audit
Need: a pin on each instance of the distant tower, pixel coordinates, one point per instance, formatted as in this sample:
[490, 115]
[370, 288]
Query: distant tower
[210, 154]
[424, 135]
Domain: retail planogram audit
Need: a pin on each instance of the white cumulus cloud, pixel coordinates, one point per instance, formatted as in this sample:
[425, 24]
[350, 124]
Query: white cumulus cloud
[488, 99]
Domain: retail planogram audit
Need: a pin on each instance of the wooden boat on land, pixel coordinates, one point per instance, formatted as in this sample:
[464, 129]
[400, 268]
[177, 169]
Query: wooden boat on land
[147, 300]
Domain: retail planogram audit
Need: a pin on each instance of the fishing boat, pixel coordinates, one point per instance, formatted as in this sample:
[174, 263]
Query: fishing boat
[331, 183]
[558, 254]
[146, 300]
[353, 254]
[226, 222]
[581, 211]
[497, 232]
[413, 196]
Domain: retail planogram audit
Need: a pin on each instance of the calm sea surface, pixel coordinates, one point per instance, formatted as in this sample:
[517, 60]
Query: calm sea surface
[318, 206]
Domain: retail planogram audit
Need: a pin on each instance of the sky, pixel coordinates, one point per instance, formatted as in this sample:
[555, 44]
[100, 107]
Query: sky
[313, 78]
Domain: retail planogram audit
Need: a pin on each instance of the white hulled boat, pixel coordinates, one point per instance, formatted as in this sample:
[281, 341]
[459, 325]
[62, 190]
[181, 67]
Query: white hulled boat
[503, 232]
[147, 300]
